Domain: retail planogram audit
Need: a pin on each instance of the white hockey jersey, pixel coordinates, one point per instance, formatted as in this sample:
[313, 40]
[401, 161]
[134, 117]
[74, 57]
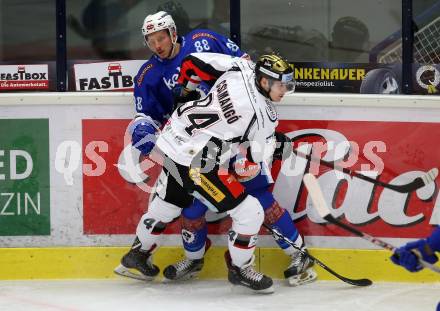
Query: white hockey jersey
[234, 111]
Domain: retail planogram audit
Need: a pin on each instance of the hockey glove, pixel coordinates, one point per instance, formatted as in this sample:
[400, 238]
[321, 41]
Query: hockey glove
[245, 170]
[434, 240]
[143, 137]
[182, 95]
[405, 256]
[283, 146]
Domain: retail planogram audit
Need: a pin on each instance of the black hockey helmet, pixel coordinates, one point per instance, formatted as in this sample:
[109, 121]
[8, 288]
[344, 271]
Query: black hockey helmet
[274, 68]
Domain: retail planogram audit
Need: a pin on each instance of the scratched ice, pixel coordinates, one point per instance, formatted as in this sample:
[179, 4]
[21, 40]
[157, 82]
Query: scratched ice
[200, 295]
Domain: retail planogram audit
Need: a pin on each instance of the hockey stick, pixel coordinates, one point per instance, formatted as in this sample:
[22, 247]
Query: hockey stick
[417, 183]
[356, 282]
[321, 206]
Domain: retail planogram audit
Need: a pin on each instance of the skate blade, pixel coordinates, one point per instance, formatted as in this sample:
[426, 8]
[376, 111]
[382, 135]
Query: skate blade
[306, 277]
[266, 291]
[126, 272]
[186, 277]
[243, 289]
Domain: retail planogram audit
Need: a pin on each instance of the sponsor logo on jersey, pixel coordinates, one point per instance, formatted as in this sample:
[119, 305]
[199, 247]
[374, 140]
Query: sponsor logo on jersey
[142, 75]
[24, 77]
[225, 103]
[206, 185]
[271, 112]
[203, 34]
[232, 184]
[171, 83]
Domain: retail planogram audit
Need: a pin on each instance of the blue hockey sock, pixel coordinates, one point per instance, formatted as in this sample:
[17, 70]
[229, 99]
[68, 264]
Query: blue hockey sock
[194, 230]
[279, 218]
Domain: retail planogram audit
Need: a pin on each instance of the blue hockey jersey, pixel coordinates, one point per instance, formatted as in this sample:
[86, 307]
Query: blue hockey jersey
[157, 77]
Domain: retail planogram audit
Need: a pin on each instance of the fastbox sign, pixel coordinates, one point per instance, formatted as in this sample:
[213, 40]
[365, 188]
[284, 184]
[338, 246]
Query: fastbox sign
[24, 177]
[24, 77]
[106, 76]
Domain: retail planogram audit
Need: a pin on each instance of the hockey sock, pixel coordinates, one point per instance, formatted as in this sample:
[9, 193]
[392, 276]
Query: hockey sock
[154, 222]
[287, 228]
[194, 234]
[278, 218]
[247, 218]
[194, 230]
[241, 247]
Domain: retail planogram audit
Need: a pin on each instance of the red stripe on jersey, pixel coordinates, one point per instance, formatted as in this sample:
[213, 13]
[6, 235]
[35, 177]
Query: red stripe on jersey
[231, 183]
[189, 66]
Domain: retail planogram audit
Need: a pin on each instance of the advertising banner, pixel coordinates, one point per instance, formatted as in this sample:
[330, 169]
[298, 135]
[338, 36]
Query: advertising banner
[394, 152]
[24, 77]
[364, 78]
[24, 177]
[106, 76]
[112, 204]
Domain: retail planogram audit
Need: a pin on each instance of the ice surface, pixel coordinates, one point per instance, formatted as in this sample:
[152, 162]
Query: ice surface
[125, 294]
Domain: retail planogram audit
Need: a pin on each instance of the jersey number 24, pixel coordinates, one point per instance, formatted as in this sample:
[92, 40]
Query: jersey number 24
[198, 120]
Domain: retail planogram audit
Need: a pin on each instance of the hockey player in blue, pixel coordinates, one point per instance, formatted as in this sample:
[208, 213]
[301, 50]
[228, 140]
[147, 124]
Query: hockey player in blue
[155, 92]
[157, 78]
[405, 257]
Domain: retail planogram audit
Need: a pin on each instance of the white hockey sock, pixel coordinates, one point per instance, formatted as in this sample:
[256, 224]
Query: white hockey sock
[240, 250]
[299, 242]
[153, 222]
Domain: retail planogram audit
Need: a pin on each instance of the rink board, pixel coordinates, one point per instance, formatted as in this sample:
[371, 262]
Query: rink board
[86, 217]
[99, 262]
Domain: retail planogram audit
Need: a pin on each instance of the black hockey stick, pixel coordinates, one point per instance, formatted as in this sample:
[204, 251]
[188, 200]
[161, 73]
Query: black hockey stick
[356, 282]
[321, 206]
[417, 183]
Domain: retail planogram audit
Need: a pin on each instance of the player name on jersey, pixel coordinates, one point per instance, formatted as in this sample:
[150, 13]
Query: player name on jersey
[226, 103]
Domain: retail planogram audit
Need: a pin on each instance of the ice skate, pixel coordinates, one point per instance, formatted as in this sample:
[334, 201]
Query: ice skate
[136, 264]
[248, 277]
[300, 270]
[185, 269]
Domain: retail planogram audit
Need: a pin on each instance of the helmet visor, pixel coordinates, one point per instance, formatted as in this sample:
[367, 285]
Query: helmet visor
[288, 82]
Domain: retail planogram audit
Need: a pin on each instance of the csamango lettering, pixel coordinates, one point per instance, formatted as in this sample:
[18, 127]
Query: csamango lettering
[226, 103]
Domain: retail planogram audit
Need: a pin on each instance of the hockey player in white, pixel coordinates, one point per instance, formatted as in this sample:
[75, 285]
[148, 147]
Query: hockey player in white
[199, 140]
[256, 178]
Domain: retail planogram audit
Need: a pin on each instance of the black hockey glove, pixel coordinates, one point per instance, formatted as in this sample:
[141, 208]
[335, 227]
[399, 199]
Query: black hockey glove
[182, 95]
[283, 147]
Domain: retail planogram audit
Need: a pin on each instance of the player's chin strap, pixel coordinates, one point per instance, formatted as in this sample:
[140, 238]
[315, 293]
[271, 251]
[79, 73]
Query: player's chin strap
[174, 43]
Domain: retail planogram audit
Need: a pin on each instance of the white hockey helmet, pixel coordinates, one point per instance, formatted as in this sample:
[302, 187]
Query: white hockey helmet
[157, 22]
